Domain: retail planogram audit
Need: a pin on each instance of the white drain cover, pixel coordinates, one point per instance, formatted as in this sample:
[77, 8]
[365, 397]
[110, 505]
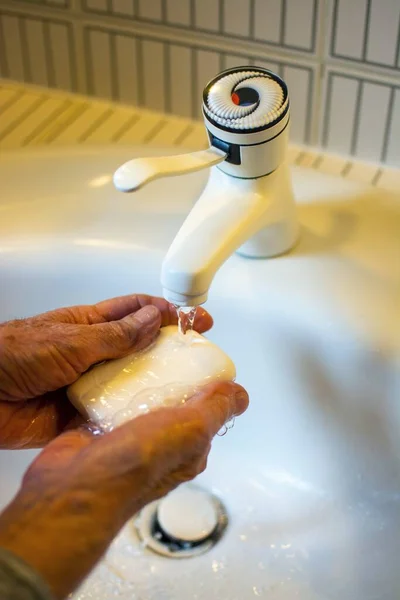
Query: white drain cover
[188, 514]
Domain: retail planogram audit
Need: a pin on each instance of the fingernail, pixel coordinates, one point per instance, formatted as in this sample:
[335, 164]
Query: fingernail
[148, 315]
[242, 401]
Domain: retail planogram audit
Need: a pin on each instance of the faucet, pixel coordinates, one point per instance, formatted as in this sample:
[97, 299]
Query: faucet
[247, 205]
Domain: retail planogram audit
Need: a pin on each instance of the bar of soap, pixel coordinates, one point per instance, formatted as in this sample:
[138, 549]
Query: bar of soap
[165, 374]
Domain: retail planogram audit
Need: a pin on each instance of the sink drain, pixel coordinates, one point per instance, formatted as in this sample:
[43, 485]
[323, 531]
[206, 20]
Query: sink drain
[188, 522]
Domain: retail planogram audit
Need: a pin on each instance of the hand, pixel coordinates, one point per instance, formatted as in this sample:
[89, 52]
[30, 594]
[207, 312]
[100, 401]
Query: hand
[81, 489]
[42, 354]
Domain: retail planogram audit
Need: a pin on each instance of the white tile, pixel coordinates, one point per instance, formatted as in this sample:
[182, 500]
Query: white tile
[100, 64]
[8, 96]
[178, 12]
[106, 131]
[235, 60]
[61, 56]
[390, 180]
[150, 9]
[298, 24]
[350, 28]
[126, 58]
[206, 14]
[148, 124]
[297, 81]
[362, 172]
[341, 117]
[97, 5]
[236, 17]
[83, 123]
[48, 109]
[12, 43]
[208, 65]
[197, 138]
[123, 7]
[373, 112]
[393, 149]
[51, 130]
[153, 75]
[332, 164]
[308, 158]
[169, 133]
[383, 31]
[270, 65]
[267, 20]
[19, 110]
[36, 51]
[181, 80]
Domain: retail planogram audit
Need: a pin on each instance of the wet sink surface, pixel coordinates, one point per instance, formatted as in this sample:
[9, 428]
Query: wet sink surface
[311, 474]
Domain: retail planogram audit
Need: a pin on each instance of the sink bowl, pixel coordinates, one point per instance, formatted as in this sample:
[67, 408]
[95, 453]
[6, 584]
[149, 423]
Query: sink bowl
[310, 475]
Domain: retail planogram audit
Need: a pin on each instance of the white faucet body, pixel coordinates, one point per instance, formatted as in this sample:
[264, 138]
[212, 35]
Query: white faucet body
[247, 204]
[255, 217]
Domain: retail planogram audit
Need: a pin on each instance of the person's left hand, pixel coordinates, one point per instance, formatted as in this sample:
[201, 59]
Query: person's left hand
[41, 355]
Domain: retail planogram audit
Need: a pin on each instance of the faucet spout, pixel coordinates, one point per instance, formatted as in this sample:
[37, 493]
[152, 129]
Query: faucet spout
[256, 216]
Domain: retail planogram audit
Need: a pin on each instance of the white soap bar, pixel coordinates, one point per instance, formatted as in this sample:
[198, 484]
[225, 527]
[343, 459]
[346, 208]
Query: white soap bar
[165, 374]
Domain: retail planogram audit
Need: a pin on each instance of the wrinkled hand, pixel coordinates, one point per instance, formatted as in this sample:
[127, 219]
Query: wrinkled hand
[41, 355]
[82, 489]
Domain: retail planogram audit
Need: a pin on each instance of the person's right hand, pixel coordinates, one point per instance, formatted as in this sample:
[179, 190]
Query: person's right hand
[82, 489]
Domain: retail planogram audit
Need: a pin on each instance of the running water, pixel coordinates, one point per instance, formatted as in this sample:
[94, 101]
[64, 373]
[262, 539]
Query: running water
[186, 317]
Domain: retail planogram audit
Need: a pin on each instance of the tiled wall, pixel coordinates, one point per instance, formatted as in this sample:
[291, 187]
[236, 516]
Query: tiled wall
[340, 58]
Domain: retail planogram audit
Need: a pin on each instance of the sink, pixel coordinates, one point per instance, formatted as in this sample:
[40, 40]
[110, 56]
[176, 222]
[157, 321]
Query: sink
[310, 475]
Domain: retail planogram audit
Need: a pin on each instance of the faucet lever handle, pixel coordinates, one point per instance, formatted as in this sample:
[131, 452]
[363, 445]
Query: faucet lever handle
[135, 173]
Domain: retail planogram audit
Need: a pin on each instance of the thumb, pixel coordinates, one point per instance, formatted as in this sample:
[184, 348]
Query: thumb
[134, 332]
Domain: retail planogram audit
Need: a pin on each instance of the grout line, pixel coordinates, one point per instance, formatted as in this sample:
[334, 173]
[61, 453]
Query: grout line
[167, 77]
[88, 60]
[96, 124]
[80, 110]
[24, 49]
[314, 28]
[73, 31]
[183, 135]
[192, 20]
[164, 18]
[114, 67]
[300, 157]
[317, 162]
[397, 54]
[53, 115]
[3, 52]
[221, 20]
[388, 125]
[139, 70]
[347, 168]
[252, 16]
[194, 82]
[327, 110]
[18, 94]
[154, 130]
[125, 127]
[366, 31]
[21, 118]
[51, 74]
[282, 29]
[377, 176]
[356, 124]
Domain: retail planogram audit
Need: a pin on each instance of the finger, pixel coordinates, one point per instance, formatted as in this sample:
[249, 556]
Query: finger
[117, 338]
[217, 403]
[34, 423]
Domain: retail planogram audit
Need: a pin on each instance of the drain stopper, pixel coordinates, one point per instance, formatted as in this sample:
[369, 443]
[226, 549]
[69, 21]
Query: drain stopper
[188, 522]
[187, 514]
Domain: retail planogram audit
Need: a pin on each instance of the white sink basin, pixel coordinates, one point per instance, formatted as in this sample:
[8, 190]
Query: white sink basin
[311, 474]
